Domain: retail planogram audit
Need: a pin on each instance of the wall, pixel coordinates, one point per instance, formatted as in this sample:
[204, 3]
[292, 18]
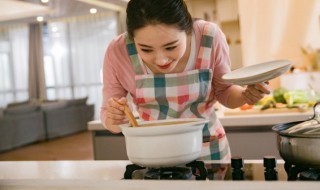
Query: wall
[277, 29]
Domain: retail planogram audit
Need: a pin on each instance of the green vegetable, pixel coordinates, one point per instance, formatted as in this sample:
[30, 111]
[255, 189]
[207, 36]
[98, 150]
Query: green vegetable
[278, 95]
[296, 97]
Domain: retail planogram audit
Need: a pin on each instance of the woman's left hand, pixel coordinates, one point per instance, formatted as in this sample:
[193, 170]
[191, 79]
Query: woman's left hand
[255, 92]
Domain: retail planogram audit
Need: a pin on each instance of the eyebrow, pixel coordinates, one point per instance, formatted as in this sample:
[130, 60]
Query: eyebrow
[167, 44]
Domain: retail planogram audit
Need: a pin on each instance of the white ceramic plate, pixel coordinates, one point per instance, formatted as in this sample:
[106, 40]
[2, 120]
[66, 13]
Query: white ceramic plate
[258, 73]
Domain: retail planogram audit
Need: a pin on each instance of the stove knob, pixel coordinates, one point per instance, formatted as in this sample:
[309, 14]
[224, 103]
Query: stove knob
[237, 162]
[269, 162]
[270, 174]
[237, 165]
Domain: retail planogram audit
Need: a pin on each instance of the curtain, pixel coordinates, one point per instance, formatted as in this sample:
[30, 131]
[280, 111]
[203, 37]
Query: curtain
[74, 53]
[13, 64]
[37, 89]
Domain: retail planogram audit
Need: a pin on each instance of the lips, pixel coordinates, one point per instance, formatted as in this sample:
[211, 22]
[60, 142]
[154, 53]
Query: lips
[165, 66]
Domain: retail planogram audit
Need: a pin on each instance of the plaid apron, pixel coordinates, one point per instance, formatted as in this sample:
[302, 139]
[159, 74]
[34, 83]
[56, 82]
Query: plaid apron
[182, 95]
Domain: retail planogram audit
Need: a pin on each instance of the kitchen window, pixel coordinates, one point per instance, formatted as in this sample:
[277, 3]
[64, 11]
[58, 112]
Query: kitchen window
[73, 50]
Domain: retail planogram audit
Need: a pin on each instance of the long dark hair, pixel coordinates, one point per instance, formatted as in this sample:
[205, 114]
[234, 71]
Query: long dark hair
[141, 13]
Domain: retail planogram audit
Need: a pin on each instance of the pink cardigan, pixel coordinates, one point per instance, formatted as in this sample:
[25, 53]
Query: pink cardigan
[119, 75]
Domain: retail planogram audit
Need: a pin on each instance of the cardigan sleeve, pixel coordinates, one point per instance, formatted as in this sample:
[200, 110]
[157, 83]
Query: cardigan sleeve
[118, 74]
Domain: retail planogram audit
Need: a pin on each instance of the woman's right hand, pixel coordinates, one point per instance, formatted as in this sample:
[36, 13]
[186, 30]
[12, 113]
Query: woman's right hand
[115, 114]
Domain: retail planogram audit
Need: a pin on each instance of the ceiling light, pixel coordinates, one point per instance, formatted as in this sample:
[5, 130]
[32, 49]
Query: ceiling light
[40, 18]
[44, 1]
[93, 10]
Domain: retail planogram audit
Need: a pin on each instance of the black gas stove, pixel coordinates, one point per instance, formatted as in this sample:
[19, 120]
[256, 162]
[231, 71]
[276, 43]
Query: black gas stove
[267, 169]
[300, 172]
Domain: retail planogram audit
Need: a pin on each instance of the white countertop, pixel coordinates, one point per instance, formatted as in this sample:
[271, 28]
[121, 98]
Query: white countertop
[254, 120]
[58, 184]
[268, 119]
[76, 170]
[107, 175]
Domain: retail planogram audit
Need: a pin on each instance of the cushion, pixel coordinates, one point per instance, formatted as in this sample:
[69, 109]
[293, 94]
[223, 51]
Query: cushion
[53, 105]
[20, 109]
[1, 112]
[77, 102]
[18, 103]
[49, 101]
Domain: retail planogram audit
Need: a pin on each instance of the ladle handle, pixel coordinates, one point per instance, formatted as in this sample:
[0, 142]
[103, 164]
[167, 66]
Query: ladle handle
[128, 113]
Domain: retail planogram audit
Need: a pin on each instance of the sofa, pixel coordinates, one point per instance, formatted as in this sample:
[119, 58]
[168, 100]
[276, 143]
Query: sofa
[21, 125]
[28, 122]
[66, 117]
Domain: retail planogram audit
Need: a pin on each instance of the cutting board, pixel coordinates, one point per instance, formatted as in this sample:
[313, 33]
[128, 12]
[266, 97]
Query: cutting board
[257, 110]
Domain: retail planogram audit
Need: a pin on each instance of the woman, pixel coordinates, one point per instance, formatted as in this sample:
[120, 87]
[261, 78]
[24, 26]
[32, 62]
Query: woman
[172, 66]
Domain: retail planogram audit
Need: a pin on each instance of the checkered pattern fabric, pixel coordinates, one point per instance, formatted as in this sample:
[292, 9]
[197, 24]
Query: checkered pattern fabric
[182, 95]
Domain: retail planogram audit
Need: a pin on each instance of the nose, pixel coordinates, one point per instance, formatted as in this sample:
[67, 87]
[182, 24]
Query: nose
[160, 59]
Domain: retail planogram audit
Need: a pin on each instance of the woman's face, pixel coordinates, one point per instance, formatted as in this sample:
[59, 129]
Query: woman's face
[160, 46]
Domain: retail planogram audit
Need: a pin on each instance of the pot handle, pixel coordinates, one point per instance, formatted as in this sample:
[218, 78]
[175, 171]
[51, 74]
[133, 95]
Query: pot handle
[316, 109]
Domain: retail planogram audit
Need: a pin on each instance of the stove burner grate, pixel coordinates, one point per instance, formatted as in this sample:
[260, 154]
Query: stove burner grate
[296, 172]
[195, 168]
[311, 174]
[169, 173]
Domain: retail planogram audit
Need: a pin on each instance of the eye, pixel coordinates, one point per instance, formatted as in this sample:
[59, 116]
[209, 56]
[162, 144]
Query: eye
[146, 50]
[171, 48]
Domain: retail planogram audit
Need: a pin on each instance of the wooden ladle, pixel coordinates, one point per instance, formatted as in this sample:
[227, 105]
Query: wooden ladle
[128, 113]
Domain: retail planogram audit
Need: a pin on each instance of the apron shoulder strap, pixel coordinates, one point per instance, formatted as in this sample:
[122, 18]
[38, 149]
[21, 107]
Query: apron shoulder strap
[134, 57]
[204, 55]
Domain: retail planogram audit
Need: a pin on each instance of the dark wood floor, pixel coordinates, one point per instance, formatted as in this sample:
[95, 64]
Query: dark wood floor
[75, 147]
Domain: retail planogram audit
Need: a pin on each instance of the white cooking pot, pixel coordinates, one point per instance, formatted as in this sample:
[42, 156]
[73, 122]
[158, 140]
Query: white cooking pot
[164, 145]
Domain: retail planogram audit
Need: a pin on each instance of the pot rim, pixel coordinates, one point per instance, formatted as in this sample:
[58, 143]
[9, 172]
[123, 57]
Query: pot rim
[281, 127]
[192, 125]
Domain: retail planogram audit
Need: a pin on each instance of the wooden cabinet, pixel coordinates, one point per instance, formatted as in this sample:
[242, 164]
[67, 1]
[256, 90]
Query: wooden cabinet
[227, 10]
[108, 146]
[225, 14]
[203, 9]
[252, 142]
[228, 19]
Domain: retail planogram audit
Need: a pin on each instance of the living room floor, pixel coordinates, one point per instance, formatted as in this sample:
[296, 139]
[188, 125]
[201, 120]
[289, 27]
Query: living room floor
[74, 147]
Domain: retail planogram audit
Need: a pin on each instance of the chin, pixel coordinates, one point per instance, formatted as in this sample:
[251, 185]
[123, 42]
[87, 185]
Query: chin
[164, 71]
